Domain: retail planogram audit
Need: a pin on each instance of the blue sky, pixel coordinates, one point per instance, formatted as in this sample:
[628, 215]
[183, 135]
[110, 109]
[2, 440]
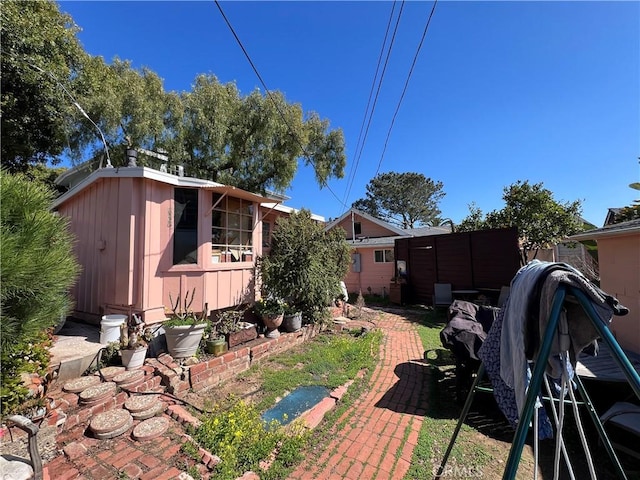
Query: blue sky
[501, 91]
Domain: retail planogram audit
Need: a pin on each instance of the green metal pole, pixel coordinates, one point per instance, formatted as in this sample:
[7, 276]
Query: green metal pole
[605, 333]
[600, 428]
[534, 387]
[463, 417]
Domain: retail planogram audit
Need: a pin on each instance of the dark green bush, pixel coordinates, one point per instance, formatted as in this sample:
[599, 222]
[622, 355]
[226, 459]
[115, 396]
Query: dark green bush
[305, 265]
[38, 269]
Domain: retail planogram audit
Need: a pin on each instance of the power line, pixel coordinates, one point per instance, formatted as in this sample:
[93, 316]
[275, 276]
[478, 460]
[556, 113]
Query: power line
[354, 166]
[406, 84]
[264, 85]
[76, 104]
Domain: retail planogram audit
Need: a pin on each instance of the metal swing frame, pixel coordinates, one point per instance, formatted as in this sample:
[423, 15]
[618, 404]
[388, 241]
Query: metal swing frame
[519, 437]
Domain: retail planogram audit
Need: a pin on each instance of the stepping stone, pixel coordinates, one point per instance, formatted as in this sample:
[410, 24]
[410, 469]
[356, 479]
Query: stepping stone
[109, 372]
[110, 421]
[98, 393]
[151, 428]
[115, 433]
[140, 403]
[77, 385]
[151, 412]
[130, 376]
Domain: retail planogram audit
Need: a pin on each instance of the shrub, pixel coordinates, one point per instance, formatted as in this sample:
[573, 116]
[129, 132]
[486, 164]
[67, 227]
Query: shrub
[305, 264]
[38, 269]
[242, 439]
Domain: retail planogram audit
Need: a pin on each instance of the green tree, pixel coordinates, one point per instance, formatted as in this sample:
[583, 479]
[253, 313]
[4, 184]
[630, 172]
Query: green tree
[540, 219]
[305, 264]
[252, 142]
[404, 199]
[474, 221]
[56, 98]
[38, 42]
[631, 212]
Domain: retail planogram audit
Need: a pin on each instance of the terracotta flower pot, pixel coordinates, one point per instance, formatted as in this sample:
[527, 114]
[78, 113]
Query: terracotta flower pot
[272, 322]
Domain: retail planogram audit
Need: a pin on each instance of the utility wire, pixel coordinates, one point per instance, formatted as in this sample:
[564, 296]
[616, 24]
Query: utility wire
[406, 84]
[354, 166]
[375, 101]
[46, 72]
[264, 85]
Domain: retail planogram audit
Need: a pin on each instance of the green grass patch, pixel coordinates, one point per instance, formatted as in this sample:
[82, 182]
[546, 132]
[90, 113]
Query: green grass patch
[329, 360]
[235, 430]
[442, 411]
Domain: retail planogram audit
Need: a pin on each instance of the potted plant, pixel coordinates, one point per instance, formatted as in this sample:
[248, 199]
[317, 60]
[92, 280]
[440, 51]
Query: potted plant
[133, 342]
[184, 329]
[292, 320]
[215, 341]
[271, 310]
[236, 331]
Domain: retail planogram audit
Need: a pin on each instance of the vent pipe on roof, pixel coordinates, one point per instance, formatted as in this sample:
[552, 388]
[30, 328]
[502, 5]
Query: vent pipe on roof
[132, 157]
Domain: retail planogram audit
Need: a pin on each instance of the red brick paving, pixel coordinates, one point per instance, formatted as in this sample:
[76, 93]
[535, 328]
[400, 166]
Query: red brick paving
[376, 440]
[383, 425]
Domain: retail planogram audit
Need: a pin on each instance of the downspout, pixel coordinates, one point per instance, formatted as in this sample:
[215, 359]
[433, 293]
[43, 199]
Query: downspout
[353, 239]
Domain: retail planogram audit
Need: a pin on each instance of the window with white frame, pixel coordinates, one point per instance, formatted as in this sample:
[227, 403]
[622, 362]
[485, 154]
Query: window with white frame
[383, 256]
[231, 229]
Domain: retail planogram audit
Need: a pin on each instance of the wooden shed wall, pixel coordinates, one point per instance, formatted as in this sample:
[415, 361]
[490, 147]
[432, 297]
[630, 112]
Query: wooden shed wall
[124, 242]
[101, 220]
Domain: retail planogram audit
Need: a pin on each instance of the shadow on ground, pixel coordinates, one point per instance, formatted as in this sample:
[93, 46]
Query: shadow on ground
[428, 387]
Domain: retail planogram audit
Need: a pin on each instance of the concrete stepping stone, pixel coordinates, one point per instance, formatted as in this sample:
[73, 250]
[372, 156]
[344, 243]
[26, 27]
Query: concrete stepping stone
[150, 412]
[139, 403]
[129, 377]
[97, 393]
[109, 372]
[110, 424]
[109, 421]
[151, 428]
[77, 385]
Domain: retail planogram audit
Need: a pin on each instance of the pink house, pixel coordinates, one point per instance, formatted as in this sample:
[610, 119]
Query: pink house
[143, 235]
[619, 262]
[373, 241]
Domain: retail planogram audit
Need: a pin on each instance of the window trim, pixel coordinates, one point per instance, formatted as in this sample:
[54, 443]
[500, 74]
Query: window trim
[384, 255]
[247, 255]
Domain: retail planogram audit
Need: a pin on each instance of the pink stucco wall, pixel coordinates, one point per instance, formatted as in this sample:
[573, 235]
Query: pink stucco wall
[619, 260]
[368, 228]
[376, 276]
[372, 275]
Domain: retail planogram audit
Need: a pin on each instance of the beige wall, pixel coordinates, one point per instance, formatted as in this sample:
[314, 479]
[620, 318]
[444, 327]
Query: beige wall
[619, 259]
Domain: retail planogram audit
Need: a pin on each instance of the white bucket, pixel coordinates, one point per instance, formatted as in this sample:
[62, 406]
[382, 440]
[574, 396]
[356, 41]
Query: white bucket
[110, 328]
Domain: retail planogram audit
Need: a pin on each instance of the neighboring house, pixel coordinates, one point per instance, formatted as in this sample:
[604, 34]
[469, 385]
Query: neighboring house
[270, 214]
[373, 241]
[143, 235]
[573, 253]
[619, 261]
[610, 219]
